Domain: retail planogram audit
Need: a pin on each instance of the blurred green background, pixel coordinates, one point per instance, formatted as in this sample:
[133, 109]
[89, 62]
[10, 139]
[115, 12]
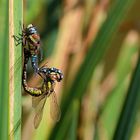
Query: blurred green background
[96, 45]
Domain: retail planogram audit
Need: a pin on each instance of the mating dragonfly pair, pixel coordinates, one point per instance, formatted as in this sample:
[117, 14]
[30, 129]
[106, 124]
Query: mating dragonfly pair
[30, 40]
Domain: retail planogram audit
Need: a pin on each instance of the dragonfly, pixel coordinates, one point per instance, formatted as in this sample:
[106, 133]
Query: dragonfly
[30, 40]
[39, 95]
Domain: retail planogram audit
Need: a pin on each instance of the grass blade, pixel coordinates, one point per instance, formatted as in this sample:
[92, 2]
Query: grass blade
[15, 65]
[4, 70]
[125, 124]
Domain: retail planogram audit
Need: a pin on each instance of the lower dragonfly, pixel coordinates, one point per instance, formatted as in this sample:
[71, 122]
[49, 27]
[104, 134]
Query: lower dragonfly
[39, 95]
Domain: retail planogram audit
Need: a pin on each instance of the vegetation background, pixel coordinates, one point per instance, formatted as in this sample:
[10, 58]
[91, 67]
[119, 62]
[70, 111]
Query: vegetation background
[96, 45]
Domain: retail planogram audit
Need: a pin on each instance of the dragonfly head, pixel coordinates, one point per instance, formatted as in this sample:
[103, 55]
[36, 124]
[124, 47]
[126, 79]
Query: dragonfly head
[52, 74]
[30, 29]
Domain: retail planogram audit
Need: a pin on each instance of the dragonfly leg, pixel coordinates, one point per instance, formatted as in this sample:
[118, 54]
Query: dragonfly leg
[18, 40]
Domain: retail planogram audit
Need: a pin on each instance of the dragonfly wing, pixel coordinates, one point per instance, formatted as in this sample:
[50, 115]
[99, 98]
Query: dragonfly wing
[54, 107]
[15, 67]
[39, 106]
[36, 100]
[15, 129]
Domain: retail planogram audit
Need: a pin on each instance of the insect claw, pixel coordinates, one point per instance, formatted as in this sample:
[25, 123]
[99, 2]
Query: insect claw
[20, 35]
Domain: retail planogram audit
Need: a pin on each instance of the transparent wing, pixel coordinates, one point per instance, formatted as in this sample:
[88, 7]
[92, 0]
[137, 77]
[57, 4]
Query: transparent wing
[55, 111]
[38, 103]
[15, 67]
[15, 129]
[36, 100]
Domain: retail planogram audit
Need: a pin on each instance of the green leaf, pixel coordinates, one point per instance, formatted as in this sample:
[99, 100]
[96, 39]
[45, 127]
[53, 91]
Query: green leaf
[4, 70]
[126, 121]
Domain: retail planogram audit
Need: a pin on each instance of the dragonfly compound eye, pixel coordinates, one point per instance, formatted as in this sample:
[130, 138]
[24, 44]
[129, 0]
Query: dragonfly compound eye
[29, 26]
[32, 30]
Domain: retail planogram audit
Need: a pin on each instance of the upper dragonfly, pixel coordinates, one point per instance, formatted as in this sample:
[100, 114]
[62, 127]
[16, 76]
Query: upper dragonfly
[30, 40]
